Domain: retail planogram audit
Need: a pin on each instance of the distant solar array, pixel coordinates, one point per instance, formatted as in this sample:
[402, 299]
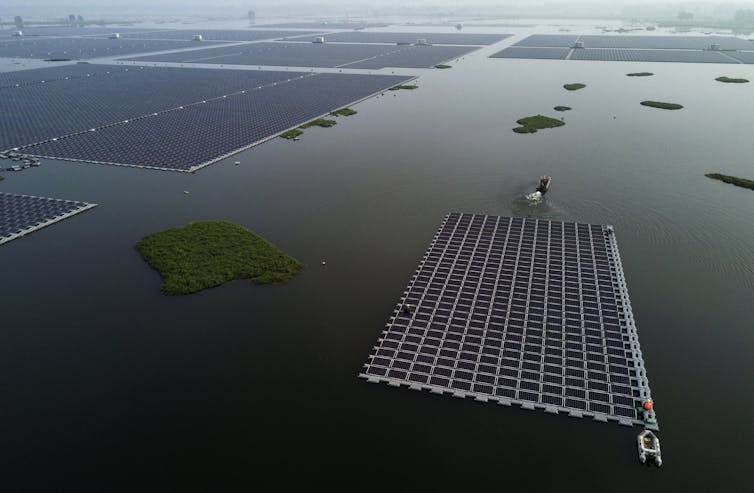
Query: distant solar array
[94, 96]
[190, 137]
[23, 214]
[518, 311]
[317, 55]
[533, 53]
[60, 31]
[434, 38]
[214, 34]
[322, 25]
[84, 48]
[549, 40]
[637, 41]
[627, 55]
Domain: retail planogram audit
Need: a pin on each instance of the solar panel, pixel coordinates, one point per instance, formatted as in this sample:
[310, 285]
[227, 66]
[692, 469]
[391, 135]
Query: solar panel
[533, 53]
[322, 25]
[84, 48]
[23, 214]
[215, 34]
[434, 38]
[743, 56]
[549, 40]
[192, 136]
[369, 56]
[665, 42]
[556, 333]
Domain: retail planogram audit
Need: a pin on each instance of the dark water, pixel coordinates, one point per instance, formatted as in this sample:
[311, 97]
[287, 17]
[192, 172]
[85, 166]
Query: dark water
[107, 384]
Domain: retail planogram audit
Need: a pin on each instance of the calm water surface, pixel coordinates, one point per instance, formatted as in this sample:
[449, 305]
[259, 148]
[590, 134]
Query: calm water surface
[106, 382]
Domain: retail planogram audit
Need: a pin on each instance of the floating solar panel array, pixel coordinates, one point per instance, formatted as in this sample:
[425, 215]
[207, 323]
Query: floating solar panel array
[434, 38]
[666, 42]
[627, 55]
[23, 214]
[214, 34]
[533, 53]
[95, 96]
[743, 56]
[85, 48]
[30, 32]
[518, 311]
[322, 25]
[193, 136]
[549, 40]
[317, 55]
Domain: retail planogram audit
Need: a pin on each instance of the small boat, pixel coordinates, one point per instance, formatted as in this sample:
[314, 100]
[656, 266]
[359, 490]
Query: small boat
[649, 447]
[544, 184]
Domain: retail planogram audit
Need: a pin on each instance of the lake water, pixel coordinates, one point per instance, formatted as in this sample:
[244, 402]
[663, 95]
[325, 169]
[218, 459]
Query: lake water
[105, 381]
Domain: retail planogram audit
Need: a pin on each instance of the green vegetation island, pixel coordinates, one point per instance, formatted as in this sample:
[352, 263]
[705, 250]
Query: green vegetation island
[205, 254]
[404, 86]
[661, 105]
[730, 80]
[291, 134]
[562, 108]
[640, 74]
[319, 122]
[344, 112]
[442, 65]
[733, 180]
[574, 87]
[531, 124]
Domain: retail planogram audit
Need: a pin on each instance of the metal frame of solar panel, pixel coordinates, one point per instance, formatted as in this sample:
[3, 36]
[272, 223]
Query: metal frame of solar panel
[24, 214]
[74, 100]
[86, 47]
[434, 38]
[518, 311]
[631, 55]
[194, 136]
[367, 56]
[533, 53]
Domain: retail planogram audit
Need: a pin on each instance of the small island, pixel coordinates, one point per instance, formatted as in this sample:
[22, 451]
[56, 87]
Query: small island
[574, 87]
[319, 122]
[206, 254]
[291, 134]
[562, 108]
[442, 65]
[733, 180]
[403, 86]
[531, 124]
[661, 105]
[640, 74]
[344, 112]
[731, 80]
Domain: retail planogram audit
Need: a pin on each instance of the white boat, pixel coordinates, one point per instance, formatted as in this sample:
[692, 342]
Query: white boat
[649, 448]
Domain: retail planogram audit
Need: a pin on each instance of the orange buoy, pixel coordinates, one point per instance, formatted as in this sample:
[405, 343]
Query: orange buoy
[648, 404]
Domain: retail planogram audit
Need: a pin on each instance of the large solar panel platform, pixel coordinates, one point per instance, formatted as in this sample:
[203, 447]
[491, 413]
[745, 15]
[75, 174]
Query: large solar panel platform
[192, 136]
[519, 311]
[629, 55]
[433, 38]
[24, 214]
[367, 56]
[215, 34]
[78, 98]
[322, 25]
[533, 53]
[85, 47]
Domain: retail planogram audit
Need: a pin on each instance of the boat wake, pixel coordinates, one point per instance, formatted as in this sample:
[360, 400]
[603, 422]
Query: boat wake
[534, 197]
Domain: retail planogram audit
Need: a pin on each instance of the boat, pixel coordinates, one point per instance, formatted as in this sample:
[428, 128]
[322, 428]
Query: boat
[544, 184]
[649, 448]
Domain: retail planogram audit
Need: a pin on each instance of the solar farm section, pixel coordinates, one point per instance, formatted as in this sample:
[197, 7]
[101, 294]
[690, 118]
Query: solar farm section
[518, 311]
[434, 38]
[23, 214]
[177, 119]
[683, 49]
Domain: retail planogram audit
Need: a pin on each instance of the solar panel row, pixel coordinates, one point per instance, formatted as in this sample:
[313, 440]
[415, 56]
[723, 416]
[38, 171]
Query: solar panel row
[23, 214]
[317, 55]
[434, 38]
[190, 138]
[215, 34]
[637, 41]
[521, 311]
[533, 53]
[626, 55]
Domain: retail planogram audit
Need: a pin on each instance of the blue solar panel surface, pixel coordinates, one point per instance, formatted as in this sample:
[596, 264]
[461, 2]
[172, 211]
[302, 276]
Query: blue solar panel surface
[317, 55]
[521, 311]
[215, 34]
[533, 53]
[21, 214]
[189, 138]
[743, 56]
[545, 40]
[628, 55]
[72, 31]
[97, 95]
[84, 48]
[322, 25]
[665, 42]
[435, 38]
